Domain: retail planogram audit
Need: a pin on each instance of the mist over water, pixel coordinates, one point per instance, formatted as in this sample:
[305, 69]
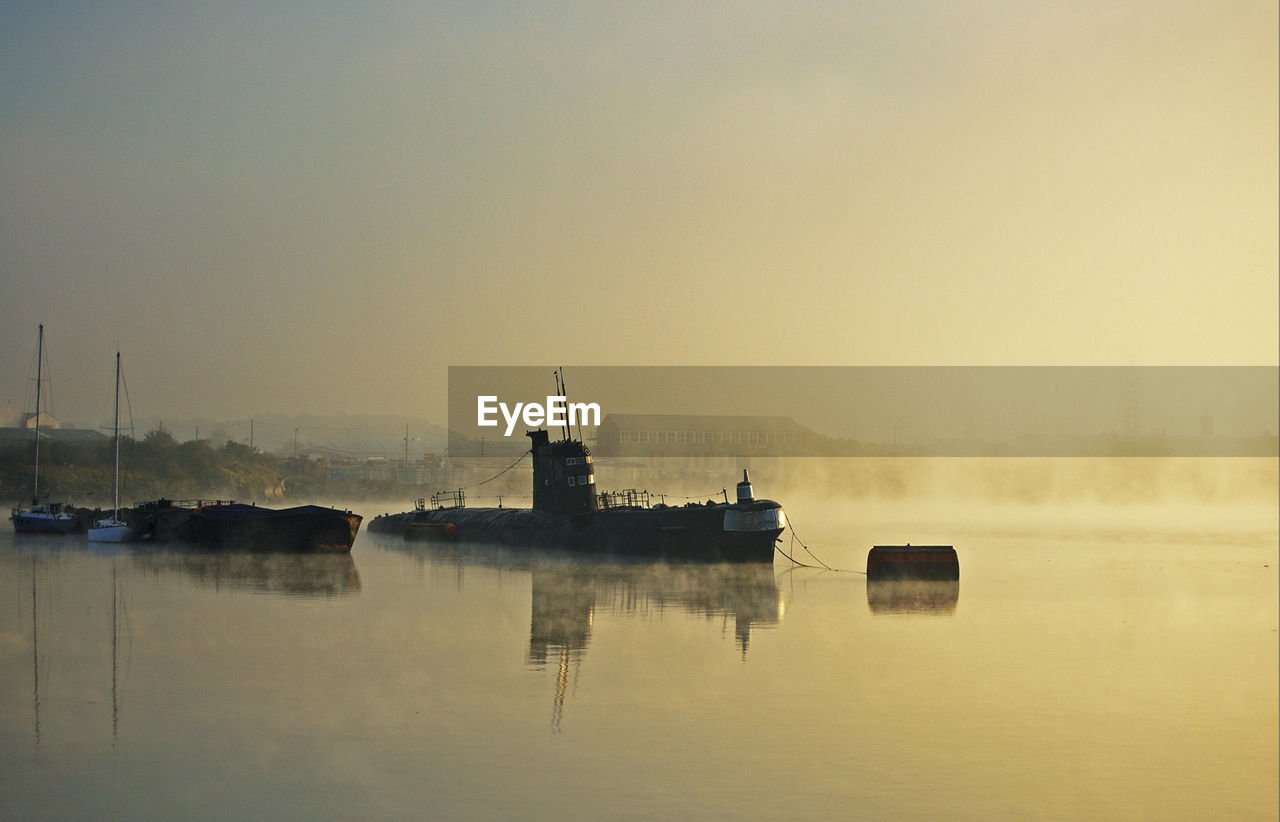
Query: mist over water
[1097, 659]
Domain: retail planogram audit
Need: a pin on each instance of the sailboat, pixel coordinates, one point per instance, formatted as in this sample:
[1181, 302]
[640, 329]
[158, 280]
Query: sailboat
[43, 517]
[114, 529]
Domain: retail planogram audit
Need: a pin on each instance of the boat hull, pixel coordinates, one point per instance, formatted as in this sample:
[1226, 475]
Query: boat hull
[38, 522]
[252, 528]
[703, 533]
[112, 531]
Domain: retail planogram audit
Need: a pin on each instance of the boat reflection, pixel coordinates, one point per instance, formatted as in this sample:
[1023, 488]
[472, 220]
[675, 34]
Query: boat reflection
[318, 575]
[567, 596]
[568, 592]
[913, 596]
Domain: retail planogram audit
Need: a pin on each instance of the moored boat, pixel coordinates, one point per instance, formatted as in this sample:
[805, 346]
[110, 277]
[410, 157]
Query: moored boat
[43, 517]
[114, 528]
[569, 514]
[238, 526]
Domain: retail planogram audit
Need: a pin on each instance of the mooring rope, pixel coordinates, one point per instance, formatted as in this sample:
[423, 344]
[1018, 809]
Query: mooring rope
[500, 473]
[795, 539]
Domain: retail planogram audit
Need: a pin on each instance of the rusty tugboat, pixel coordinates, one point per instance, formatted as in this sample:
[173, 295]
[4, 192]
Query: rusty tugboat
[568, 514]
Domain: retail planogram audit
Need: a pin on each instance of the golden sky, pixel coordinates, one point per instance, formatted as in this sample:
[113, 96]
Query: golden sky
[319, 206]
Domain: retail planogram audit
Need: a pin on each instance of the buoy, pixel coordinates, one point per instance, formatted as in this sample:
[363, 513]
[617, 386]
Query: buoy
[913, 562]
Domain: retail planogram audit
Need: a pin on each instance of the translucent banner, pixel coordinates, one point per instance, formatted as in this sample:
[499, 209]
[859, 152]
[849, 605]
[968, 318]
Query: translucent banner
[737, 411]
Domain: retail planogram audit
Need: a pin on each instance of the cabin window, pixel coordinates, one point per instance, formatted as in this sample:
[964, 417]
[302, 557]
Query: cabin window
[571, 480]
[588, 479]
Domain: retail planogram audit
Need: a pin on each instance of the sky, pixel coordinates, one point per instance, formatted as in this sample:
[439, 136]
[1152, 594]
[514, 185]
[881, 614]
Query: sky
[319, 206]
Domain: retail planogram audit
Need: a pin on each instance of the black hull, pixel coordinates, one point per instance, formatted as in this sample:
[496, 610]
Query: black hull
[692, 533]
[25, 523]
[308, 528]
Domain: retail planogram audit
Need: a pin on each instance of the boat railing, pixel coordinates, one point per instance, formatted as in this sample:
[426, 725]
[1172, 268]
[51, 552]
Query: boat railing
[157, 504]
[626, 498]
[449, 499]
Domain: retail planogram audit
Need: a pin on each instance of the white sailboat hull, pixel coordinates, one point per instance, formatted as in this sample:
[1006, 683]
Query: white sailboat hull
[112, 531]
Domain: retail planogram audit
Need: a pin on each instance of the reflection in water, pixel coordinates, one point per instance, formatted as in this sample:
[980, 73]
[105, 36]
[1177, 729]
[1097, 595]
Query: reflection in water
[565, 599]
[52, 612]
[562, 612]
[444, 680]
[299, 574]
[35, 653]
[115, 653]
[568, 591]
[913, 596]
[65, 572]
[566, 596]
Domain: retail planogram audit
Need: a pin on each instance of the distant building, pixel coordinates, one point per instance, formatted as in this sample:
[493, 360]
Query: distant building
[697, 435]
[74, 436]
[47, 421]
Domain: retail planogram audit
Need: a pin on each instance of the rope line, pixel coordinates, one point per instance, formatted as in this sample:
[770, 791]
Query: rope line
[795, 561]
[500, 473]
[795, 539]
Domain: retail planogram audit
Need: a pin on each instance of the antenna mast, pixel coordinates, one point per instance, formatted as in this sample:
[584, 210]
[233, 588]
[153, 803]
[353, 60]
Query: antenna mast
[564, 392]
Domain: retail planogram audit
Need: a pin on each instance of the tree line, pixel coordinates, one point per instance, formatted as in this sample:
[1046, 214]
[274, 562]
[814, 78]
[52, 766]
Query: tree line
[157, 465]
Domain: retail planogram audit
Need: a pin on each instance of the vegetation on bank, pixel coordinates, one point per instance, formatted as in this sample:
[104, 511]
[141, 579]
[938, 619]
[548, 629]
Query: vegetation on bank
[159, 466]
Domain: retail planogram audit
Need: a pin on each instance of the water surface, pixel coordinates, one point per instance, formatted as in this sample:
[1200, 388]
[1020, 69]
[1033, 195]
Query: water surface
[1093, 662]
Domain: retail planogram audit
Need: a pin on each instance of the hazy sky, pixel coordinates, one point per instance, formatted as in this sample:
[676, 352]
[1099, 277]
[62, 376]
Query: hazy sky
[317, 206]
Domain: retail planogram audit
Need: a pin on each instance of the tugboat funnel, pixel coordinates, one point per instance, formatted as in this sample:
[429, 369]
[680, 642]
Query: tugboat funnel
[745, 494]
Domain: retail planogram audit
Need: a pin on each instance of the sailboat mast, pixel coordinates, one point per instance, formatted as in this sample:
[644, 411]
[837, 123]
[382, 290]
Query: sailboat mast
[35, 491]
[115, 435]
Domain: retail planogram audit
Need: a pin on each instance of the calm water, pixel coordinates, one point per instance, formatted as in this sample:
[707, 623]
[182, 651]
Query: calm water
[1093, 662]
